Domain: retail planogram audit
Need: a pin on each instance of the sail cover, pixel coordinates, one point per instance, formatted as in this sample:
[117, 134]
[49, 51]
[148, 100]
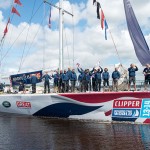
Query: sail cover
[141, 48]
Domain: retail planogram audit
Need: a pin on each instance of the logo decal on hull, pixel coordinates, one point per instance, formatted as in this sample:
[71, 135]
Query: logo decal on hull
[6, 104]
[21, 104]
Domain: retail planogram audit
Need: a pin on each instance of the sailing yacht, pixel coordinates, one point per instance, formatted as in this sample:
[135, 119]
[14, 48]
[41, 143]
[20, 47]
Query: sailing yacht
[101, 106]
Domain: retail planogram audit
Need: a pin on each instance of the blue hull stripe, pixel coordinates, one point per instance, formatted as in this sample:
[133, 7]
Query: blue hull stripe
[65, 110]
[124, 119]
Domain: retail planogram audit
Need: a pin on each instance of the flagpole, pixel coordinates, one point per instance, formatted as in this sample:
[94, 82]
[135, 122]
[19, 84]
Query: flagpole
[61, 65]
[61, 12]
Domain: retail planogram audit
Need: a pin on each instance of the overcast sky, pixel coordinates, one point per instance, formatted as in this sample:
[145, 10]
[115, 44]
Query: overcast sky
[31, 41]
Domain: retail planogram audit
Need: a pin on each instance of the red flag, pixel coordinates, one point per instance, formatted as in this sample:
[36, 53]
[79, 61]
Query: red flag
[14, 10]
[102, 19]
[18, 2]
[6, 28]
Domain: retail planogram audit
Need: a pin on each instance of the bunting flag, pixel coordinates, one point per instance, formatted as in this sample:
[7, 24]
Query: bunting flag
[94, 1]
[18, 2]
[98, 12]
[106, 27]
[102, 19]
[6, 28]
[14, 10]
[100, 15]
[49, 24]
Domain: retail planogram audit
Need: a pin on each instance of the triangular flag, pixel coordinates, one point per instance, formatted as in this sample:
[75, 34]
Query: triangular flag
[102, 19]
[18, 2]
[106, 27]
[6, 28]
[49, 24]
[98, 12]
[94, 1]
[14, 10]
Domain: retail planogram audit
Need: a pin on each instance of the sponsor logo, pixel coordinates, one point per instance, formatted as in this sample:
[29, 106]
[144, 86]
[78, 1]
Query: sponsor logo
[6, 104]
[126, 113]
[22, 104]
[145, 110]
[127, 103]
[129, 108]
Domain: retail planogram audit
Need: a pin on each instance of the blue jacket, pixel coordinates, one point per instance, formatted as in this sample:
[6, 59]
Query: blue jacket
[80, 77]
[98, 74]
[65, 77]
[88, 77]
[132, 71]
[83, 75]
[73, 76]
[56, 77]
[33, 79]
[116, 75]
[69, 72]
[46, 77]
[105, 75]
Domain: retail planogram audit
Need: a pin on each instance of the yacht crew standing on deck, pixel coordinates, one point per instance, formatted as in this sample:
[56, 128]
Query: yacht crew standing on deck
[73, 79]
[105, 76]
[146, 73]
[46, 78]
[115, 77]
[34, 80]
[133, 68]
[98, 78]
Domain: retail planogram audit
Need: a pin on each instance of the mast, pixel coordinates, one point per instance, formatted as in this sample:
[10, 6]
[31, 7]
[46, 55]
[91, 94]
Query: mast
[61, 64]
[61, 12]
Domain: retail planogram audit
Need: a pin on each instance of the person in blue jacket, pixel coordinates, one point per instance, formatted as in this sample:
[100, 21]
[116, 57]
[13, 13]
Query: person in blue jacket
[98, 78]
[65, 82]
[132, 73]
[84, 79]
[73, 79]
[105, 76]
[56, 77]
[115, 78]
[46, 78]
[146, 73]
[80, 82]
[33, 80]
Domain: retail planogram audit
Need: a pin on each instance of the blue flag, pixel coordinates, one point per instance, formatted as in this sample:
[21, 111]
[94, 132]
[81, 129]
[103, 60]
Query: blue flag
[141, 48]
[106, 27]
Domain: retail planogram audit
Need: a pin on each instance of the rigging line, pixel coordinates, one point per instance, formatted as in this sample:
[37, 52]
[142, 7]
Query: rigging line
[115, 46]
[3, 38]
[38, 30]
[73, 27]
[26, 38]
[44, 13]
[19, 35]
[67, 47]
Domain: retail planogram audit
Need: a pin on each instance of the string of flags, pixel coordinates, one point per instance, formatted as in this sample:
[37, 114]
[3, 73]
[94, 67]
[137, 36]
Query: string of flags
[14, 11]
[49, 23]
[101, 16]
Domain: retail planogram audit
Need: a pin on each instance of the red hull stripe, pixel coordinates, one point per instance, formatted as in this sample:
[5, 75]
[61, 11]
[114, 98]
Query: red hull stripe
[99, 97]
[147, 121]
[108, 113]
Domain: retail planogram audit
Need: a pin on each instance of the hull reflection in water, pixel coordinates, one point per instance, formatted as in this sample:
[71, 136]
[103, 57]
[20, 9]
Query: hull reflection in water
[31, 133]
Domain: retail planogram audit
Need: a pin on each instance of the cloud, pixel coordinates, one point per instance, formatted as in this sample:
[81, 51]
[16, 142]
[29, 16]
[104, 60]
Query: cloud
[40, 44]
[5, 4]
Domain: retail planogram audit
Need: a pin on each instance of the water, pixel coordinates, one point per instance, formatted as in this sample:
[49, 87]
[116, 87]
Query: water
[32, 133]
